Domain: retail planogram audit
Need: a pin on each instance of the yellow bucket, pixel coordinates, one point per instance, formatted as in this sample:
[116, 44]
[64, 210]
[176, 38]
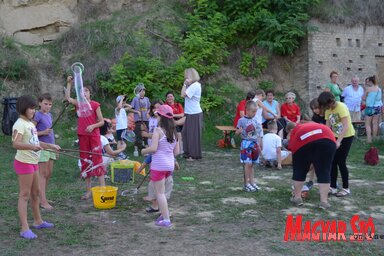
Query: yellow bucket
[104, 197]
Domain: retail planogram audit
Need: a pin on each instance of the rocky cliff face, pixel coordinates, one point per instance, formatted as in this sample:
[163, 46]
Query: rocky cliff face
[33, 22]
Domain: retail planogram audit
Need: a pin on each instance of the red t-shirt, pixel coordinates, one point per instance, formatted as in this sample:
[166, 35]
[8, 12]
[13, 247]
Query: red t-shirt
[177, 108]
[290, 111]
[240, 107]
[84, 122]
[305, 133]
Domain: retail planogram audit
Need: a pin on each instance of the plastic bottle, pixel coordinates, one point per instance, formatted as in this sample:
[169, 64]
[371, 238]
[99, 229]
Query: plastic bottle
[136, 152]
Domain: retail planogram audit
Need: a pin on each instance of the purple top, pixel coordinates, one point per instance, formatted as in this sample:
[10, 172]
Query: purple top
[141, 105]
[44, 121]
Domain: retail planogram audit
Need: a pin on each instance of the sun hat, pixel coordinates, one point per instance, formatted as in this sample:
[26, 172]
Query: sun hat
[165, 110]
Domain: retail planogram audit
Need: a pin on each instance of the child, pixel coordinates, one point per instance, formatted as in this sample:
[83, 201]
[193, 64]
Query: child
[163, 149]
[272, 152]
[107, 151]
[251, 137]
[318, 114]
[43, 123]
[140, 105]
[89, 139]
[109, 134]
[121, 121]
[26, 141]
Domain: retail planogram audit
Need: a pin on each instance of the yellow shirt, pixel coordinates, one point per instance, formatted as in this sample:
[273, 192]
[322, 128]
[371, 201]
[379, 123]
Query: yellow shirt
[29, 136]
[335, 115]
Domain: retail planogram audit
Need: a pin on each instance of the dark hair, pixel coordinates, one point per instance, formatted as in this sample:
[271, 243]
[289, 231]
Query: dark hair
[333, 73]
[152, 107]
[272, 125]
[89, 88]
[25, 102]
[250, 95]
[270, 91]
[372, 79]
[104, 128]
[45, 96]
[326, 99]
[169, 92]
[314, 104]
[168, 125]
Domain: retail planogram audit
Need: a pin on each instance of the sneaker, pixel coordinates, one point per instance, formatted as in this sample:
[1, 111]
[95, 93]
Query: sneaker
[324, 205]
[249, 188]
[305, 188]
[163, 223]
[343, 192]
[309, 184]
[297, 202]
[254, 185]
[332, 191]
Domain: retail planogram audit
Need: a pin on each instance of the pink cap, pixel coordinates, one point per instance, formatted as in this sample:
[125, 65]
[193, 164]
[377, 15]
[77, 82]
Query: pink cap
[165, 110]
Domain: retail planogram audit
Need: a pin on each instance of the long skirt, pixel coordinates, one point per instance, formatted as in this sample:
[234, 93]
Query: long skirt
[192, 132]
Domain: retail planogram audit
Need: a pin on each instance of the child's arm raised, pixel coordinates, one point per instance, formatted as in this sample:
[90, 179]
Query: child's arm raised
[68, 91]
[155, 142]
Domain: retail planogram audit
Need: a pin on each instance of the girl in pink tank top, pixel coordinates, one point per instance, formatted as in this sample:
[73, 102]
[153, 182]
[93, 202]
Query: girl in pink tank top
[163, 149]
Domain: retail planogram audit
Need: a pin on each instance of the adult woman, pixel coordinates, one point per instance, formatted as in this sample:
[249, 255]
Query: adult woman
[192, 130]
[311, 143]
[338, 118]
[240, 109]
[373, 107]
[178, 113]
[274, 106]
[332, 86]
[290, 111]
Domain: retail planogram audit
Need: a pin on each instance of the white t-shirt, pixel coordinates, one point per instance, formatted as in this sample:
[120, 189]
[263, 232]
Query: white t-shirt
[352, 98]
[192, 100]
[152, 124]
[104, 142]
[271, 142]
[121, 119]
[259, 112]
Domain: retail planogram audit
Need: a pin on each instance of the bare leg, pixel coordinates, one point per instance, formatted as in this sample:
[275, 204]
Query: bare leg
[45, 170]
[180, 139]
[375, 126]
[88, 192]
[25, 186]
[298, 186]
[161, 198]
[35, 200]
[324, 189]
[368, 121]
[102, 180]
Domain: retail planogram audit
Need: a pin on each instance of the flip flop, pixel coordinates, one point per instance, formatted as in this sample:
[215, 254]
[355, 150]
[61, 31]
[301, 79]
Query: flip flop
[28, 234]
[44, 224]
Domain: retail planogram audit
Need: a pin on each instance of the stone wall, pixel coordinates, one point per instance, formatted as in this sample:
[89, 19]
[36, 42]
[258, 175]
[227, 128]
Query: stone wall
[348, 50]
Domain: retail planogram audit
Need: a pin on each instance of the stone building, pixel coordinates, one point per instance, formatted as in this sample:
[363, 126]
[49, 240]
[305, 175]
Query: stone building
[350, 51]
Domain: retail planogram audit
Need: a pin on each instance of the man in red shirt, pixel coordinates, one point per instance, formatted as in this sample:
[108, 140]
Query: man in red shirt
[311, 143]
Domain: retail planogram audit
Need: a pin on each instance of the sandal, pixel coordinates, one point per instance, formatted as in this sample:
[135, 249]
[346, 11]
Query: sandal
[28, 234]
[44, 224]
[343, 192]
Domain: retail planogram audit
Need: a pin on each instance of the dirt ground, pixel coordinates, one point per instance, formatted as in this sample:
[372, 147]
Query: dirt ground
[211, 215]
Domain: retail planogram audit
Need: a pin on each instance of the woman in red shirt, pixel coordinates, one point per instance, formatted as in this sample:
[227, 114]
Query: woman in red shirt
[178, 114]
[290, 111]
[311, 143]
[240, 110]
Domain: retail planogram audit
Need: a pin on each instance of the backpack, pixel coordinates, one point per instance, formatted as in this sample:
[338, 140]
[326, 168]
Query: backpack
[10, 114]
[372, 156]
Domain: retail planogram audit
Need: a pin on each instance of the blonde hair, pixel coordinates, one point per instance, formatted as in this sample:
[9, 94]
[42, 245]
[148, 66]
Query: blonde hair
[290, 94]
[192, 74]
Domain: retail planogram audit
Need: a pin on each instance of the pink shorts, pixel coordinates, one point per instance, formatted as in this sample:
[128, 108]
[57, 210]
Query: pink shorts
[159, 175]
[24, 168]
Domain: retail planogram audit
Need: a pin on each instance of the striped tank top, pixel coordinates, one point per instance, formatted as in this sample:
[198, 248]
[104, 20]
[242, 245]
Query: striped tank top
[163, 159]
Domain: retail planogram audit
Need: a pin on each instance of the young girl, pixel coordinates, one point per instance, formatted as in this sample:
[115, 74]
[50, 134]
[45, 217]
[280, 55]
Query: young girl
[25, 140]
[140, 105]
[373, 104]
[163, 149]
[121, 121]
[43, 123]
[89, 138]
[107, 150]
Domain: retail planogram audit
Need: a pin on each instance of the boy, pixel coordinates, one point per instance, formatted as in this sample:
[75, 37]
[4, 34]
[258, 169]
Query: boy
[140, 106]
[43, 123]
[251, 134]
[272, 153]
[121, 122]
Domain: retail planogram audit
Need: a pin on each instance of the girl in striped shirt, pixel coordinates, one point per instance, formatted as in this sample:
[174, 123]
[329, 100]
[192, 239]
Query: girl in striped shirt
[163, 149]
